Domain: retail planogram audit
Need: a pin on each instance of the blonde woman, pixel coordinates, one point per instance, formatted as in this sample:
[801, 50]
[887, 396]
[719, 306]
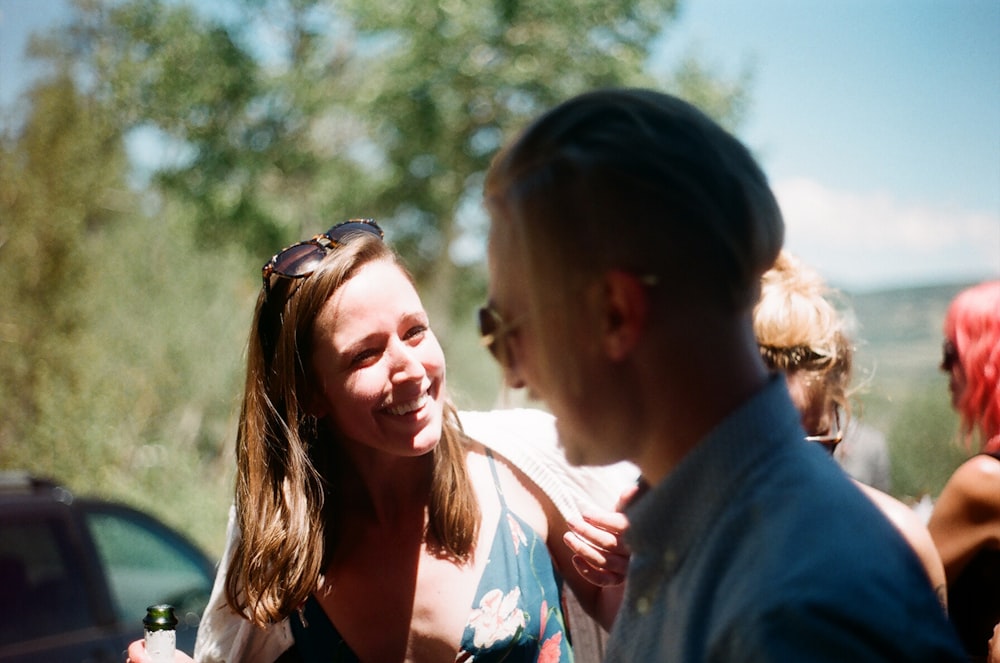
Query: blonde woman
[802, 334]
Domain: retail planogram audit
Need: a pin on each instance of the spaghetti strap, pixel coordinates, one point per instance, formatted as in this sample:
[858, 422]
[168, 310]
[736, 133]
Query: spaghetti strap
[496, 480]
[518, 576]
[517, 611]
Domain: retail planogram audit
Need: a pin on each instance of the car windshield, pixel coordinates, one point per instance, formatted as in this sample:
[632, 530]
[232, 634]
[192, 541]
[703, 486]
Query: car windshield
[145, 567]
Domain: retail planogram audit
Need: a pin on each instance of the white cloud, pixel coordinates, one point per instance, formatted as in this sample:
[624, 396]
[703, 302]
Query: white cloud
[870, 241]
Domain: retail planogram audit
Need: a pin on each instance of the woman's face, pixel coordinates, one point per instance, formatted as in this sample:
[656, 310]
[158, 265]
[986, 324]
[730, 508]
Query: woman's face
[379, 368]
[812, 404]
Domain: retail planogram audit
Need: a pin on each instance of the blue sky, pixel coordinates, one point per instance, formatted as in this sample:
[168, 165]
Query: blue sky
[878, 122]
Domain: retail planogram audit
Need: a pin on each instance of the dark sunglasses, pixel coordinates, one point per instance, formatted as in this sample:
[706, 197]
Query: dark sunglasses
[494, 332]
[949, 356]
[300, 260]
[832, 438]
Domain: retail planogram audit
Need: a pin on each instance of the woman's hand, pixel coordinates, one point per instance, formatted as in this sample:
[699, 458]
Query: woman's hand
[137, 654]
[599, 553]
[597, 541]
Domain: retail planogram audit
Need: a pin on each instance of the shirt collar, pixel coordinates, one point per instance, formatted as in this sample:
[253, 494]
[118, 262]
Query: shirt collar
[672, 516]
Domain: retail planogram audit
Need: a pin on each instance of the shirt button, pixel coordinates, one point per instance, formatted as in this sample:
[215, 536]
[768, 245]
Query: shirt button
[642, 605]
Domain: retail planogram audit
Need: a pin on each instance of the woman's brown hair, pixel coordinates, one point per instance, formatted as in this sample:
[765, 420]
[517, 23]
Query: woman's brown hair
[287, 461]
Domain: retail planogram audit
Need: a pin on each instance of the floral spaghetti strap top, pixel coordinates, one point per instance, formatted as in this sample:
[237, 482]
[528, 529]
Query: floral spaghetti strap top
[516, 616]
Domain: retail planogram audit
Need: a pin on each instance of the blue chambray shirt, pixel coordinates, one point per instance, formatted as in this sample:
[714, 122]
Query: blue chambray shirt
[758, 547]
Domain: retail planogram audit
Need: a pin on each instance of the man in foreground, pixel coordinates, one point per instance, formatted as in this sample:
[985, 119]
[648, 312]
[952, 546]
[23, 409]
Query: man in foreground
[629, 234]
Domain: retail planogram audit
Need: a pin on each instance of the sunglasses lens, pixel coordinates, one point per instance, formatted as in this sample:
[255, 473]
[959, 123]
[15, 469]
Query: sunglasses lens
[833, 437]
[302, 259]
[298, 260]
[339, 232]
[949, 356]
[488, 324]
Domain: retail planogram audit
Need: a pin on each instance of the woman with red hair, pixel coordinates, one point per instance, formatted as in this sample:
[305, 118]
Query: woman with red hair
[965, 523]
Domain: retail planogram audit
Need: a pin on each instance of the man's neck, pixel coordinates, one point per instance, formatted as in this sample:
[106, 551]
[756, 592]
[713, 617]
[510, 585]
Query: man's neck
[691, 392]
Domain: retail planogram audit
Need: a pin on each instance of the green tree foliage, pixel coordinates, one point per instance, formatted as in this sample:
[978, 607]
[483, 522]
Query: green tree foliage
[160, 67]
[119, 340]
[446, 82]
[360, 107]
[61, 182]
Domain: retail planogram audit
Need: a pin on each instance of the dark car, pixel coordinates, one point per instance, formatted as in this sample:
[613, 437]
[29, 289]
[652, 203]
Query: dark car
[76, 575]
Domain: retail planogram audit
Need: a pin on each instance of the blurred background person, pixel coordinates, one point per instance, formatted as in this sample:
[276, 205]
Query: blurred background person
[965, 522]
[864, 453]
[802, 334]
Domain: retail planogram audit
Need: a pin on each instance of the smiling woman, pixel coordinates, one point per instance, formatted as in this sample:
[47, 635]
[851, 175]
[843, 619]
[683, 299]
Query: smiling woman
[368, 525]
[377, 368]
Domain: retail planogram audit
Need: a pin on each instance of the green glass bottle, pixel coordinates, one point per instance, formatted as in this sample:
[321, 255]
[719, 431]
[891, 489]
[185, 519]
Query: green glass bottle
[160, 626]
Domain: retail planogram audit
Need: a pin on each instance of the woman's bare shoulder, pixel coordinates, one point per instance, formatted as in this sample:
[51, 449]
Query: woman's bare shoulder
[976, 482]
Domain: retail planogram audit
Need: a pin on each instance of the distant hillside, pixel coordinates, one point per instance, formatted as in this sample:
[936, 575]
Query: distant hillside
[905, 395]
[899, 333]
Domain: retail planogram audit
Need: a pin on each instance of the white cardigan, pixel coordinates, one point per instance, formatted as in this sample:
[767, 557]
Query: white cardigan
[526, 438]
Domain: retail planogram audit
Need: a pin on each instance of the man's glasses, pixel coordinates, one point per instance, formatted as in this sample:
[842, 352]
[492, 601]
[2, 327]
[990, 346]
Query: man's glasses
[300, 260]
[494, 333]
[949, 356]
[832, 438]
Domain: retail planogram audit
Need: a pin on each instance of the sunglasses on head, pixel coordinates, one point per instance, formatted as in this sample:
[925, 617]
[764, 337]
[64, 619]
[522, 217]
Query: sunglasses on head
[300, 260]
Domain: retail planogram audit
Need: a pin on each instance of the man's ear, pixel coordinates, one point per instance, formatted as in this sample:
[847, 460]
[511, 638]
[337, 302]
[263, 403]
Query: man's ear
[626, 312]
